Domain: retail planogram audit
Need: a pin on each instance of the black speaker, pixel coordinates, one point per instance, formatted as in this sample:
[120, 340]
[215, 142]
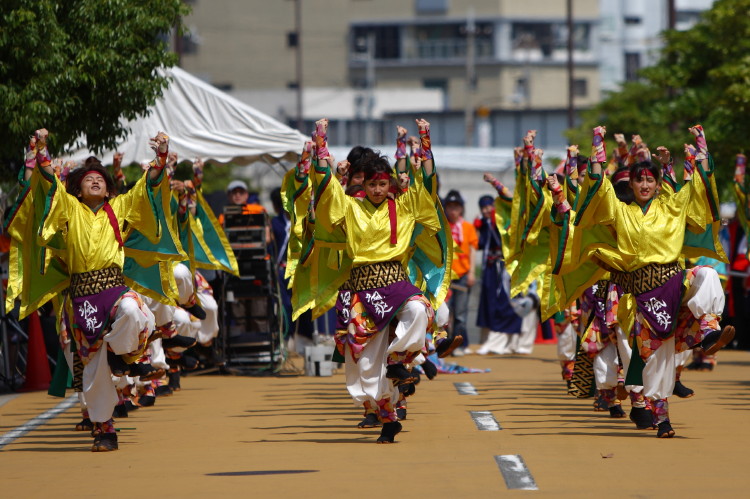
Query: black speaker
[235, 218]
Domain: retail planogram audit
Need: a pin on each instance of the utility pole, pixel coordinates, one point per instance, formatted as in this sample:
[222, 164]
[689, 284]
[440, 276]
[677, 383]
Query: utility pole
[571, 80]
[671, 14]
[370, 82]
[298, 60]
[471, 78]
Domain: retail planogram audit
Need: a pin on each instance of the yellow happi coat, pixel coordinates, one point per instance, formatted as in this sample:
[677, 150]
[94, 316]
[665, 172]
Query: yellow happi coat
[91, 243]
[368, 226]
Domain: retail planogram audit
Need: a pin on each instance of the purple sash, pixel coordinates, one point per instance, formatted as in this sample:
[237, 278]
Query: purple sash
[91, 312]
[661, 305]
[343, 309]
[383, 303]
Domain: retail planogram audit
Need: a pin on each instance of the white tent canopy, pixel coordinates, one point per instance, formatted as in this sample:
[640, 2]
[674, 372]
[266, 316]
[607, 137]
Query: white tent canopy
[202, 121]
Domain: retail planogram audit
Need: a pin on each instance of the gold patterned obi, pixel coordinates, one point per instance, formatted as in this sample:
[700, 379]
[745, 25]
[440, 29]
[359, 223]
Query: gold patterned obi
[601, 289]
[96, 281]
[376, 275]
[645, 278]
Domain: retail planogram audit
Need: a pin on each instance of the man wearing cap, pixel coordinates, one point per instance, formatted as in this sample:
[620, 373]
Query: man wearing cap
[465, 237]
[239, 196]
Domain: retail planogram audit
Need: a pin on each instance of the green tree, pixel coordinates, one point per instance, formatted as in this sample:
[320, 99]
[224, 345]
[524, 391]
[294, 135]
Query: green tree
[78, 67]
[703, 76]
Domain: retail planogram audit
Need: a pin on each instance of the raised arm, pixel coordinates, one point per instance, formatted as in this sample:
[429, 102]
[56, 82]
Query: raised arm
[701, 156]
[502, 191]
[160, 145]
[37, 154]
[598, 150]
[329, 197]
[400, 149]
[426, 147]
[198, 166]
[740, 163]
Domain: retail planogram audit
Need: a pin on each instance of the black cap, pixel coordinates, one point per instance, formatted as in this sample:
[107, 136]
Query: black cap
[453, 196]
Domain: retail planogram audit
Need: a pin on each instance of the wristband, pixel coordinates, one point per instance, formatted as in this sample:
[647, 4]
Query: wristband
[401, 147]
[426, 144]
[598, 149]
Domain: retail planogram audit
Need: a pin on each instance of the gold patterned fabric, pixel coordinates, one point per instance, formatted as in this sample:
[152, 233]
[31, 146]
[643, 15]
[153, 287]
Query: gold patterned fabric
[601, 289]
[96, 281]
[376, 275]
[645, 278]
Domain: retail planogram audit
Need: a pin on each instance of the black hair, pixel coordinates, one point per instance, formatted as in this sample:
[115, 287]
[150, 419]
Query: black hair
[357, 158]
[73, 181]
[373, 164]
[278, 206]
[622, 188]
[637, 169]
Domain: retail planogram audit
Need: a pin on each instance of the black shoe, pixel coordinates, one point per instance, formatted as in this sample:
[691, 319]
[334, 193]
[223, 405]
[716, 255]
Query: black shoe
[600, 404]
[120, 411]
[130, 406]
[401, 413]
[146, 400]
[408, 389]
[178, 341]
[195, 310]
[189, 362]
[716, 340]
[694, 365]
[446, 346]
[642, 417]
[174, 381]
[370, 421]
[118, 366]
[163, 391]
[399, 374]
[682, 391]
[430, 369]
[389, 431]
[146, 372]
[616, 411]
[105, 442]
[85, 425]
[665, 430]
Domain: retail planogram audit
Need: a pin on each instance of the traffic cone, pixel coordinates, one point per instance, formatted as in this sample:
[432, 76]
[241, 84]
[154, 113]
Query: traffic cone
[540, 339]
[38, 376]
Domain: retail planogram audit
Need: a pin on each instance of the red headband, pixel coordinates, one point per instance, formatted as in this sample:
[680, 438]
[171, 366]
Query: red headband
[381, 176]
[645, 173]
[620, 176]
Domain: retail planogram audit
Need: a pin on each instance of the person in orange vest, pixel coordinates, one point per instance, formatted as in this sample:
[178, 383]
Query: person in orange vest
[465, 237]
[239, 195]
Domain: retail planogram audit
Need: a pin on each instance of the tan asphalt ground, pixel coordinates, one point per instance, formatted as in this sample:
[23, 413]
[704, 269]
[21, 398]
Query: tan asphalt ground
[296, 436]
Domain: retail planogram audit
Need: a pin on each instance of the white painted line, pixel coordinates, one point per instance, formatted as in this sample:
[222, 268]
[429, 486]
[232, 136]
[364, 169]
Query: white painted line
[465, 389]
[515, 472]
[485, 421]
[37, 421]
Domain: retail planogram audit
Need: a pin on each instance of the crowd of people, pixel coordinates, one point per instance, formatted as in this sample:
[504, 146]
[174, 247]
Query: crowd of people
[120, 265]
[615, 253]
[608, 249]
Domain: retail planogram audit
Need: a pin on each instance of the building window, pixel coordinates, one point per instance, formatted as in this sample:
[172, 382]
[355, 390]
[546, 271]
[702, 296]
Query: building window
[387, 41]
[543, 39]
[632, 20]
[448, 40]
[432, 6]
[632, 66]
[580, 87]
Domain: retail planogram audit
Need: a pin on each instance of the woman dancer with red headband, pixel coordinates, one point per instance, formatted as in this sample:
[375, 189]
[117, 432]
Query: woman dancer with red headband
[379, 231]
[646, 287]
